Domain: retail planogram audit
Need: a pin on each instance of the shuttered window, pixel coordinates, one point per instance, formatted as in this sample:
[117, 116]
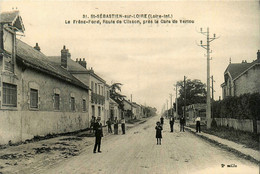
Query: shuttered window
[9, 95]
[33, 98]
[72, 102]
[84, 105]
[56, 101]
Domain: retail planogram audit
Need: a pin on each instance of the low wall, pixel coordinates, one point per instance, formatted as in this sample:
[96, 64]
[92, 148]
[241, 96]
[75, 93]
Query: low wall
[244, 125]
[16, 126]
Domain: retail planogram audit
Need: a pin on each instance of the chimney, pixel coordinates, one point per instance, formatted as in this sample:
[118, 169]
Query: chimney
[83, 63]
[65, 55]
[37, 47]
[258, 55]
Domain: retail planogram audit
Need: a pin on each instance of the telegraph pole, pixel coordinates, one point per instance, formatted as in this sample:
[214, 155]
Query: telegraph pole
[167, 107]
[176, 102]
[207, 47]
[171, 105]
[185, 97]
[212, 86]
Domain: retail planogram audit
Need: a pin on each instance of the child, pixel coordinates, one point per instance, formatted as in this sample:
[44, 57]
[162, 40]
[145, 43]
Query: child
[158, 132]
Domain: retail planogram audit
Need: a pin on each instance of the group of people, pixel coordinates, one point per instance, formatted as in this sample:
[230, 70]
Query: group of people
[96, 125]
[159, 126]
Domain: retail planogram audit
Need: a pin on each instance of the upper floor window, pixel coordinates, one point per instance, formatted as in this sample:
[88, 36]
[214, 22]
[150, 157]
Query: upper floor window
[95, 88]
[102, 91]
[34, 98]
[9, 95]
[99, 89]
[92, 86]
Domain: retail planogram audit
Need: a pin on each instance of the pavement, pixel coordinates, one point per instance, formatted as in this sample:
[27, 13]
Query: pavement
[239, 149]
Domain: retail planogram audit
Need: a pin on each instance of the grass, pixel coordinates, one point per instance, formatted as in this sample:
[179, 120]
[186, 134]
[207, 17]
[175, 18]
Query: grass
[248, 139]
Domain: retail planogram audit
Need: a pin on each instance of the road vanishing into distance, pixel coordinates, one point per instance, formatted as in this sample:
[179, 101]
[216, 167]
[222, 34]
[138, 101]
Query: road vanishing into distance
[136, 152]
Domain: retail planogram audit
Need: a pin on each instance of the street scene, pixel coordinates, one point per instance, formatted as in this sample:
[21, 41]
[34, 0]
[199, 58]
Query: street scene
[135, 87]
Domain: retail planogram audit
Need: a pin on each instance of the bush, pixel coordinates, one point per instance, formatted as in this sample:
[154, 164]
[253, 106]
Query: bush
[245, 106]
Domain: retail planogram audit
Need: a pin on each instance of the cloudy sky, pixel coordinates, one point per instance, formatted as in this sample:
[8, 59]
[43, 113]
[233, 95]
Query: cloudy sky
[147, 59]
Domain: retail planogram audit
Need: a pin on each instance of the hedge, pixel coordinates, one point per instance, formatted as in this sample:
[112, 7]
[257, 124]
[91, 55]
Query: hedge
[246, 106]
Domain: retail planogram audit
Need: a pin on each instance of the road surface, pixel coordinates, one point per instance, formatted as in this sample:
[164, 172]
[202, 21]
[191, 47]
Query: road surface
[137, 153]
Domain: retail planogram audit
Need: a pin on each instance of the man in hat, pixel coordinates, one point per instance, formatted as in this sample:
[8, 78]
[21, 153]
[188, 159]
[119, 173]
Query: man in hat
[98, 134]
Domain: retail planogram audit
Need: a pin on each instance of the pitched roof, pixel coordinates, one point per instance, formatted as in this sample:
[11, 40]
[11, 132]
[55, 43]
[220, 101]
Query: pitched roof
[236, 69]
[32, 58]
[13, 18]
[74, 67]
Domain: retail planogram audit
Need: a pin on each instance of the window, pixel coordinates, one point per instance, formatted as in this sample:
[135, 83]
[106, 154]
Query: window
[99, 89]
[57, 101]
[102, 91]
[99, 111]
[33, 98]
[72, 103]
[9, 95]
[95, 88]
[84, 105]
[92, 86]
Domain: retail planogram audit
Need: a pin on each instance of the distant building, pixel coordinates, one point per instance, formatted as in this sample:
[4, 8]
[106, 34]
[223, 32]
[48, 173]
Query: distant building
[196, 110]
[241, 78]
[37, 97]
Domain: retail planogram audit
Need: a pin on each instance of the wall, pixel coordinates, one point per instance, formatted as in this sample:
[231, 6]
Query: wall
[244, 125]
[248, 82]
[21, 123]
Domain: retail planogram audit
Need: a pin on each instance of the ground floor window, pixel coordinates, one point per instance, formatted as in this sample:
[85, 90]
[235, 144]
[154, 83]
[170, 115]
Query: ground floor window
[72, 102]
[33, 98]
[57, 101]
[99, 111]
[84, 105]
[9, 95]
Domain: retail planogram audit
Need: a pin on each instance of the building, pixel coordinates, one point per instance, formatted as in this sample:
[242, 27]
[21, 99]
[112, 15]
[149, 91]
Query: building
[37, 97]
[196, 110]
[241, 78]
[114, 110]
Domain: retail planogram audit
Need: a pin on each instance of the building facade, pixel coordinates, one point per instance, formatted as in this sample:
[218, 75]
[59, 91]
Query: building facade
[37, 97]
[241, 78]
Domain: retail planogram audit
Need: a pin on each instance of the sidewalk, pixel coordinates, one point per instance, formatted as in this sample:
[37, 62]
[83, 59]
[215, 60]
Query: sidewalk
[239, 149]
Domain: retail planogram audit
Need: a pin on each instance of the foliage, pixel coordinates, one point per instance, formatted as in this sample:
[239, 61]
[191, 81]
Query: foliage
[195, 93]
[149, 111]
[114, 88]
[245, 106]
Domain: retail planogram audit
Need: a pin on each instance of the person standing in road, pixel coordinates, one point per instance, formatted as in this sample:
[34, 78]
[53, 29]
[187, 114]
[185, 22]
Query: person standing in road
[109, 123]
[115, 126]
[197, 124]
[162, 121]
[92, 122]
[98, 135]
[171, 123]
[182, 123]
[123, 125]
[158, 135]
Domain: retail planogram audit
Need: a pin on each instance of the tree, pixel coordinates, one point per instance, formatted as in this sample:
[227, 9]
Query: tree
[116, 96]
[195, 93]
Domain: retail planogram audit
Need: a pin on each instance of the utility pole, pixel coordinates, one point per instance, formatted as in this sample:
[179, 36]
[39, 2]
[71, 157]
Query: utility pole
[176, 102]
[171, 105]
[212, 95]
[207, 47]
[131, 108]
[167, 107]
[185, 98]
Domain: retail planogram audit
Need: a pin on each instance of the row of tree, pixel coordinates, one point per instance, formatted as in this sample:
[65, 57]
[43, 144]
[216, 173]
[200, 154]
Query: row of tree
[117, 97]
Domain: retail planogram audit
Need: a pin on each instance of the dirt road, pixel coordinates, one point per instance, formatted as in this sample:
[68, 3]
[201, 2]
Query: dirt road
[137, 153]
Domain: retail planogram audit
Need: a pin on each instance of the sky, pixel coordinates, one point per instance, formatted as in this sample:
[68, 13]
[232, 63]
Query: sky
[148, 59]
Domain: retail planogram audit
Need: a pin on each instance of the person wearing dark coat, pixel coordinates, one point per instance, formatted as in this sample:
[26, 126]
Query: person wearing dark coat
[109, 123]
[123, 125]
[98, 135]
[171, 123]
[162, 120]
[182, 123]
[158, 135]
[115, 126]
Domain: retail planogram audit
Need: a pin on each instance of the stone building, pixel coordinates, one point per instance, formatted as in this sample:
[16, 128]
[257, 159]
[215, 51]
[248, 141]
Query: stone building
[241, 78]
[37, 97]
[99, 95]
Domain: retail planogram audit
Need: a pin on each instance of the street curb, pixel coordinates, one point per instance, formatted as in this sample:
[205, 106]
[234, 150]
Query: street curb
[224, 146]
